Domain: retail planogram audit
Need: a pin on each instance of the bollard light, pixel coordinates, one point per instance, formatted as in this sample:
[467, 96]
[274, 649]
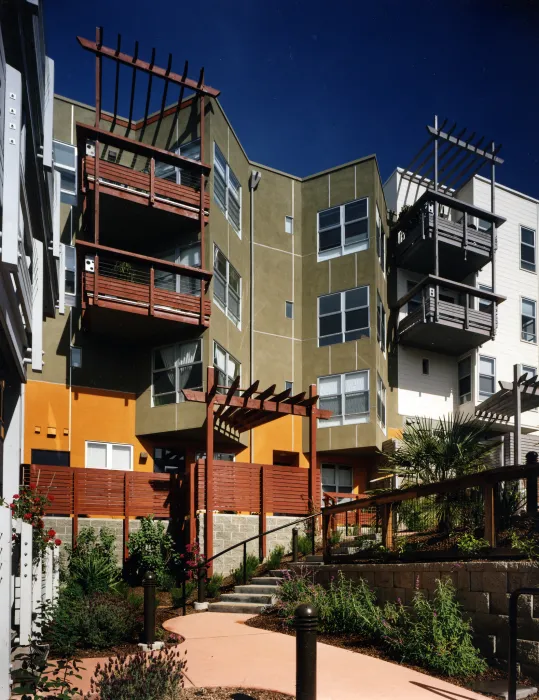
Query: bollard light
[306, 622]
[149, 583]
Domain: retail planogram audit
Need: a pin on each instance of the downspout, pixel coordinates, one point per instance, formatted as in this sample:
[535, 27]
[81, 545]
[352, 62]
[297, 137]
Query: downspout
[254, 180]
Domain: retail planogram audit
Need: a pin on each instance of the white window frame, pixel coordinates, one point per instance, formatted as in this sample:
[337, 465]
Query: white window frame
[338, 467]
[482, 395]
[109, 446]
[343, 311]
[68, 196]
[289, 385]
[532, 340]
[289, 306]
[381, 323]
[381, 404]
[228, 358]
[380, 241]
[70, 298]
[343, 249]
[464, 398]
[485, 288]
[534, 248]
[289, 225]
[531, 371]
[338, 420]
[226, 282]
[178, 394]
[227, 174]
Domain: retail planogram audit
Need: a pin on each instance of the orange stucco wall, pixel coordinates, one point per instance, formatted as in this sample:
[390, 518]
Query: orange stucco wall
[104, 416]
[281, 435]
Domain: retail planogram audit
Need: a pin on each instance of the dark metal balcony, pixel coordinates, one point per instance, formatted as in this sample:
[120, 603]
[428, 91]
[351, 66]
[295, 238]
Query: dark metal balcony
[465, 234]
[446, 316]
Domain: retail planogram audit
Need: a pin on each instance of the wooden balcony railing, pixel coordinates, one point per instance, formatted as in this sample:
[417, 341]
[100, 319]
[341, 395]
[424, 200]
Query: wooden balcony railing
[138, 284]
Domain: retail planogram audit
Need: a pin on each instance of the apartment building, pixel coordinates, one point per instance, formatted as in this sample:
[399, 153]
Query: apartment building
[29, 211]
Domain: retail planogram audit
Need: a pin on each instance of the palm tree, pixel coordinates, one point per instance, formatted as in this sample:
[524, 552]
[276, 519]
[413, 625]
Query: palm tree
[435, 451]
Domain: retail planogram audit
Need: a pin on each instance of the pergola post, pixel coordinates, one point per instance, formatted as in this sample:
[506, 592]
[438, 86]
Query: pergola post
[208, 518]
[314, 498]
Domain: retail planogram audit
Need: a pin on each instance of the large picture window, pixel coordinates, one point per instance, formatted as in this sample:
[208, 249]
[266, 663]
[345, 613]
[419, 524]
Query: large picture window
[343, 316]
[176, 367]
[346, 396]
[226, 287]
[343, 229]
[109, 455]
[227, 368]
[226, 190]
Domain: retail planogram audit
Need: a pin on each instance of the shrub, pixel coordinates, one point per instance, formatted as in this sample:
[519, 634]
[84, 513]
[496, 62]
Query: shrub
[435, 635]
[335, 537]
[213, 585]
[151, 549]
[97, 621]
[470, 545]
[142, 676]
[252, 565]
[304, 545]
[275, 557]
[526, 545]
[177, 593]
[92, 564]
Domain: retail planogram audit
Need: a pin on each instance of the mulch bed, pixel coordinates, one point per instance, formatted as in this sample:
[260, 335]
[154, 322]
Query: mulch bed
[231, 694]
[272, 622]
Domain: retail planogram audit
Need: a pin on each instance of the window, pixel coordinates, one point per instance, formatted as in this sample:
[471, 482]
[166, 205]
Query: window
[289, 309]
[226, 190]
[487, 376]
[343, 229]
[529, 332]
[336, 479]
[167, 461]
[226, 287]
[181, 176]
[529, 371]
[289, 224]
[426, 366]
[76, 357]
[343, 316]
[51, 458]
[465, 380]
[227, 368]
[65, 162]
[221, 456]
[527, 249]
[381, 401]
[289, 385]
[381, 323]
[176, 367]
[347, 396]
[416, 301]
[109, 455]
[380, 241]
[70, 258]
[484, 304]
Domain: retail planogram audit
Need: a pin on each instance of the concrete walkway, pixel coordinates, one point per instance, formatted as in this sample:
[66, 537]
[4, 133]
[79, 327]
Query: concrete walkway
[223, 651]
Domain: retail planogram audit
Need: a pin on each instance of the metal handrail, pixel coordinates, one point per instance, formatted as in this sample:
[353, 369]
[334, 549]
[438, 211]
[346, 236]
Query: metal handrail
[204, 565]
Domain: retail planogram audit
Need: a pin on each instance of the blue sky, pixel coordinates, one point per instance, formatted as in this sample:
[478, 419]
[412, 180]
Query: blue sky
[309, 84]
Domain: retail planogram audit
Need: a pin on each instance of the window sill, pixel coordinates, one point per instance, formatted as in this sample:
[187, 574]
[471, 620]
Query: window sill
[531, 272]
[341, 422]
[529, 342]
[341, 253]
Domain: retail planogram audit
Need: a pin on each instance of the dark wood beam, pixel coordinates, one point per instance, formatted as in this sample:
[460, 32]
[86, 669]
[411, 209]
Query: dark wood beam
[270, 406]
[465, 144]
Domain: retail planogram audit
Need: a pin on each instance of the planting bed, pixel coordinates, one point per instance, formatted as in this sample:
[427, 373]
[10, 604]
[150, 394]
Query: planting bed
[231, 694]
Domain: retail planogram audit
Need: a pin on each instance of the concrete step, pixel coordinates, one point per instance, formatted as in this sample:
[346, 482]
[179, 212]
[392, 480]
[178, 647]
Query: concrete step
[257, 589]
[313, 558]
[266, 581]
[278, 573]
[249, 608]
[260, 598]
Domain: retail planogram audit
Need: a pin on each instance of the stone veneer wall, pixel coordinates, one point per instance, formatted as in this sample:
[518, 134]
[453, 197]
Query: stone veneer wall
[64, 529]
[483, 590]
[230, 529]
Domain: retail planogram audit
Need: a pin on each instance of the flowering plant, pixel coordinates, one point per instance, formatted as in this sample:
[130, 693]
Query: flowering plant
[194, 562]
[29, 505]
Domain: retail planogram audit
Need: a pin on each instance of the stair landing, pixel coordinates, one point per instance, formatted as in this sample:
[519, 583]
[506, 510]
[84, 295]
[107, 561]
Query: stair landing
[251, 598]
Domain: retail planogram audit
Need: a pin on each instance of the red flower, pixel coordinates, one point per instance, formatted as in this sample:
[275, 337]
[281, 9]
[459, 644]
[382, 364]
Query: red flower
[28, 516]
[16, 496]
[40, 523]
[12, 506]
[57, 542]
[51, 533]
[32, 485]
[51, 498]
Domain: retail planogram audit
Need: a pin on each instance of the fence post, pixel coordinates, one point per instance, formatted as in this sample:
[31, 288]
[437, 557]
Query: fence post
[531, 486]
[263, 507]
[490, 526]
[387, 530]
[75, 527]
[48, 573]
[295, 533]
[6, 601]
[37, 576]
[127, 495]
[25, 619]
[325, 538]
[55, 573]
[305, 622]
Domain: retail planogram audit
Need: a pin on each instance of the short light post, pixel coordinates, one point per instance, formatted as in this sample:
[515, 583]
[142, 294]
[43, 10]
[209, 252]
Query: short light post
[305, 622]
[295, 534]
[149, 583]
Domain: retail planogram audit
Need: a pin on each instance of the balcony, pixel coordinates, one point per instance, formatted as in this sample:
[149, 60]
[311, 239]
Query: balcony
[138, 284]
[464, 233]
[131, 170]
[446, 316]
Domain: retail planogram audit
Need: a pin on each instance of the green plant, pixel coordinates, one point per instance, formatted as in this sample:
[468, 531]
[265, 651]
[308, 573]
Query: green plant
[470, 545]
[525, 544]
[96, 621]
[37, 680]
[213, 585]
[335, 537]
[304, 545]
[145, 677]
[434, 634]
[510, 501]
[177, 593]
[151, 549]
[124, 270]
[252, 565]
[404, 546]
[92, 566]
[275, 557]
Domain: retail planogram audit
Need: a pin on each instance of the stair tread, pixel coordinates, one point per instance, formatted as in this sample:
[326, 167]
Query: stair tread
[236, 607]
[266, 581]
[247, 597]
[257, 589]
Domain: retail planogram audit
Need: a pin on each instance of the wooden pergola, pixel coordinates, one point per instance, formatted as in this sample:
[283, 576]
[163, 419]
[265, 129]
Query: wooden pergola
[237, 410]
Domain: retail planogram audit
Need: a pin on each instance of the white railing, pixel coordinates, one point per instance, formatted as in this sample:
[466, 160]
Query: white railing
[24, 284]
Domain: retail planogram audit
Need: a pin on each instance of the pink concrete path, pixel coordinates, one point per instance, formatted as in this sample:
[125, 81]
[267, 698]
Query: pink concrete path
[223, 651]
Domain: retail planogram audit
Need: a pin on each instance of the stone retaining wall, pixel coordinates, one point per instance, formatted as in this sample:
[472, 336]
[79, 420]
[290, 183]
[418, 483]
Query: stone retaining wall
[483, 590]
[230, 529]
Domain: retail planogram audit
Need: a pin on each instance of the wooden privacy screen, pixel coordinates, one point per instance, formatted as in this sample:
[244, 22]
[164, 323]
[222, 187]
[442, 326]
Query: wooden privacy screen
[245, 487]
